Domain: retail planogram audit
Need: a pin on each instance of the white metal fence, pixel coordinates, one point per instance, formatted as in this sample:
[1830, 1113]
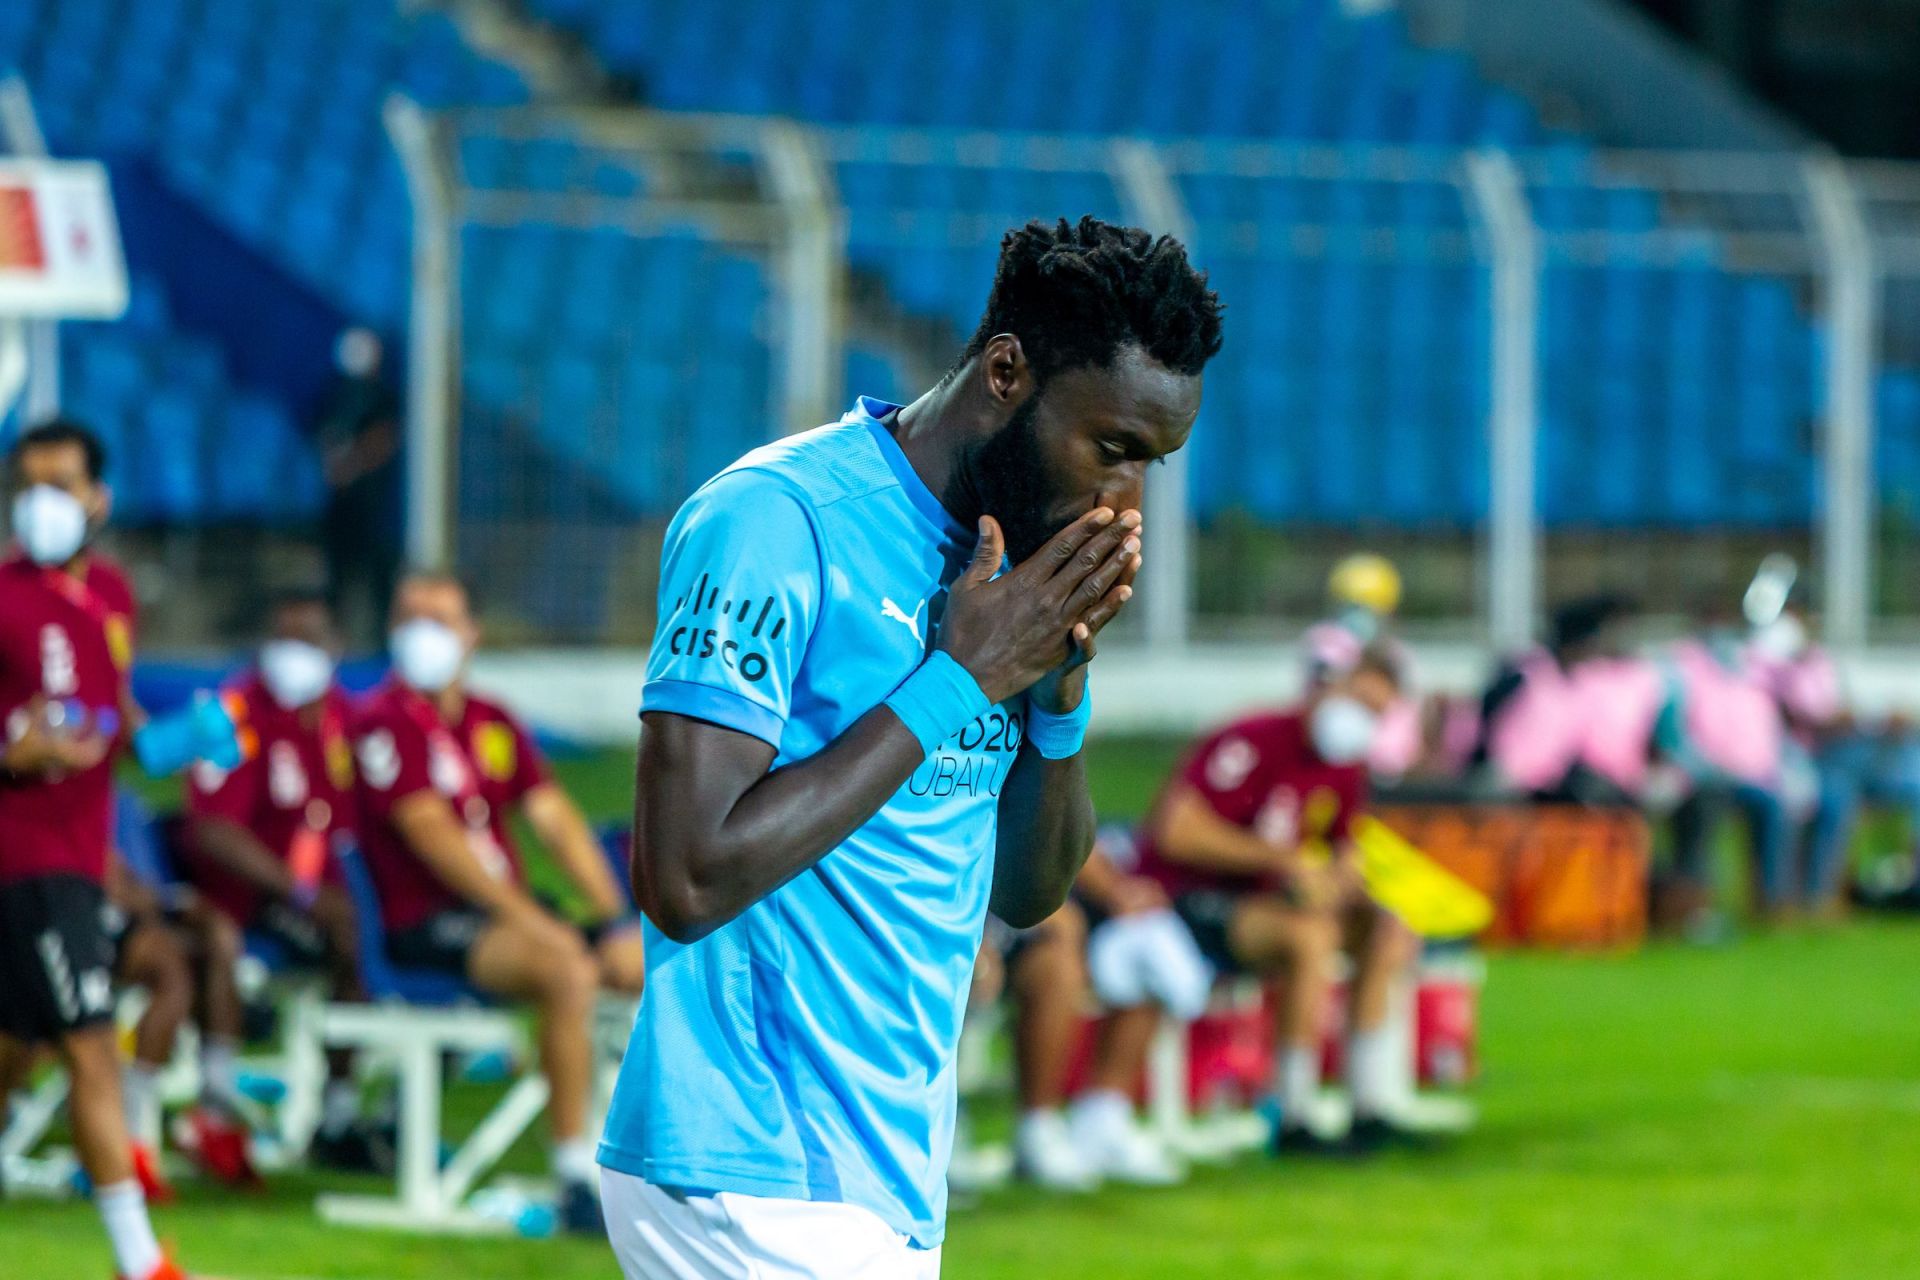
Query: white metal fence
[1522, 374]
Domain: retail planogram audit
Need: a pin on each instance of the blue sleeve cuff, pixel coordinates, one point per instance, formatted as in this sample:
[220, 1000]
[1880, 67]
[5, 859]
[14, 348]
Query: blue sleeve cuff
[938, 700]
[723, 707]
[1057, 737]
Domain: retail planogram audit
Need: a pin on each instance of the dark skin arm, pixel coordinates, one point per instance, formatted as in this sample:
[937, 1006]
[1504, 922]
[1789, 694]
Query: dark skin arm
[237, 850]
[715, 831]
[1047, 823]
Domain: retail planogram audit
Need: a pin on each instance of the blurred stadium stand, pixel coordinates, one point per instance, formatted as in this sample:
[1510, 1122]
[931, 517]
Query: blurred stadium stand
[607, 365]
[266, 117]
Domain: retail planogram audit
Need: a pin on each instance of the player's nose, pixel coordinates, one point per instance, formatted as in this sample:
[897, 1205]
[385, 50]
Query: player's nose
[1124, 493]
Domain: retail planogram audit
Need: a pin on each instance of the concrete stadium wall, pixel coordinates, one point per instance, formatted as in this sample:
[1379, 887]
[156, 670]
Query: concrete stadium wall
[593, 696]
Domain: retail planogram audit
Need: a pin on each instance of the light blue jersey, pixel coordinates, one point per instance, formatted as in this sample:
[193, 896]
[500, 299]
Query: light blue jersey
[806, 1048]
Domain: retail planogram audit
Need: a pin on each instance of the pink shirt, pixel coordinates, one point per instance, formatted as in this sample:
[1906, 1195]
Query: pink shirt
[1398, 741]
[1619, 700]
[1731, 718]
[1535, 737]
[1807, 687]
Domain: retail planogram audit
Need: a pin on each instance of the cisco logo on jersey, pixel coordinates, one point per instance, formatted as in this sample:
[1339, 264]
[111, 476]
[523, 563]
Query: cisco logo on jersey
[974, 761]
[736, 648]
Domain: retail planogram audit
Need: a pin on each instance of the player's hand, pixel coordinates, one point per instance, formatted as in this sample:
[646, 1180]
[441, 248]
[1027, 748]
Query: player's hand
[1043, 615]
[36, 748]
[1348, 879]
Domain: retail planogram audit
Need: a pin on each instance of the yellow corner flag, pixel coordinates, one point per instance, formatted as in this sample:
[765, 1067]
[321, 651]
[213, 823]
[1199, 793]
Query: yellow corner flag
[1431, 900]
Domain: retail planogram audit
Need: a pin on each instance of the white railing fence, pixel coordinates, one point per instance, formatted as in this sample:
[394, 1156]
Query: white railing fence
[1525, 374]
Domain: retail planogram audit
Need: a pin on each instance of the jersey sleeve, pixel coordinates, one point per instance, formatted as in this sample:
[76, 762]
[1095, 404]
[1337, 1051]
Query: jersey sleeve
[1226, 770]
[392, 762]
[233, 794]
[529, 762]
[740, 590]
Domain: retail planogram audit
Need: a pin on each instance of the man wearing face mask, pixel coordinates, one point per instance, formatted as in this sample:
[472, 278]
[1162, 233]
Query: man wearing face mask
[258, 838]
[440, 770]
[1230, 839]
[64, 640]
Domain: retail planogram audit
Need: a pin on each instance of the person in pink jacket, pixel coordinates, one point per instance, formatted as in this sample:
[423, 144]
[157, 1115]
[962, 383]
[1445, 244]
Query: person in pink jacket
[1849, 763]
[1723, 728]
[1572, 719]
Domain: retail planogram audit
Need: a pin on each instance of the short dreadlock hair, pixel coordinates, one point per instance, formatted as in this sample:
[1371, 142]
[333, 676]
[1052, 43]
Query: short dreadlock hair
[1074, 294]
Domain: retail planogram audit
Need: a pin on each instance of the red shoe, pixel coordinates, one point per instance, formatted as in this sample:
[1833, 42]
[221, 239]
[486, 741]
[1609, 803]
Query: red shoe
[165, 1271]
[153, 1183]
[217, 1142]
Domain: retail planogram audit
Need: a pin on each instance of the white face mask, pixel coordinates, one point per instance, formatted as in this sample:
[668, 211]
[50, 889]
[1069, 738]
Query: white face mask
[295, 672]
[49, 524]
[427, 654]
[1342, 729]
[1782, 640]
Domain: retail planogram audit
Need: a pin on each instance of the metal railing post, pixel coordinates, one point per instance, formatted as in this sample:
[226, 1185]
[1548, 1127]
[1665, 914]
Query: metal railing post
[812, 266]
[432, 390]
[20, 131]
[1152, 199]
[1853, 303]
[1513, 553]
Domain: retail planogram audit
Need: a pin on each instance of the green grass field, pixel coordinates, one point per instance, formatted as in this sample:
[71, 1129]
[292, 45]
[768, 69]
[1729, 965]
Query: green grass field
[1746, 1111]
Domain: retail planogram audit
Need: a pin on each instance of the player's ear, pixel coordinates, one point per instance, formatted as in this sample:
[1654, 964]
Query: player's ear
[1008, 376]
[102, 505]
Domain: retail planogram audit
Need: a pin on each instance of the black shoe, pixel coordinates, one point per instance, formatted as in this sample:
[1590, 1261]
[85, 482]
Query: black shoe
[1370, 1135]
[358, 1148]
[580, 1213]
[1298, 1140]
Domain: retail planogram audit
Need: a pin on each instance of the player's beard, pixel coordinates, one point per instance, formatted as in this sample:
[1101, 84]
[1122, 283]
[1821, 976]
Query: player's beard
[1009, 474]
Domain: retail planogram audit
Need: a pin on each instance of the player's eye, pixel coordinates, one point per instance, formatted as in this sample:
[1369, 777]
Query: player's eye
[1113, 451]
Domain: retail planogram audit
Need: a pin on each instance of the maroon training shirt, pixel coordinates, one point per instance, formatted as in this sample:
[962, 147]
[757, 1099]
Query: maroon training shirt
[1260, 773]
[300, 775]
[56, 639]
[483, 765]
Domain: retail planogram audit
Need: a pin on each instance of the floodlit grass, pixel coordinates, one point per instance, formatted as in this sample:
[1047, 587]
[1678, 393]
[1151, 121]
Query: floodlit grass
[1746, 1111]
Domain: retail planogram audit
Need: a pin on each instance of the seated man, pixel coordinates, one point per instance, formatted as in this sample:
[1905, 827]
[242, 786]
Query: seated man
[257, 839]
[1143, 965]
[1724, 731]
[440, 769]
[1231, 840]
[1045, 972]
[1042, 972]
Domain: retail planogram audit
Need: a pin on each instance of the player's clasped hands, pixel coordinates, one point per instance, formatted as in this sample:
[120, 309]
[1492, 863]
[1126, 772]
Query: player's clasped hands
[1011, 631]
[46, 738]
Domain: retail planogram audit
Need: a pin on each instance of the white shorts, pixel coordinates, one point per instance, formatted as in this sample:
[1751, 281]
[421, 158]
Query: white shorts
[670, 1235]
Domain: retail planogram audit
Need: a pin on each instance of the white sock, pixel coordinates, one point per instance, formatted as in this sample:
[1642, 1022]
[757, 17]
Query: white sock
[339, 1107]
[141, 1084]
[123, 1208]
[573, 1161]
[1370, 1074]
[1099, 1112]
[219, 1068]
[1296, 1078]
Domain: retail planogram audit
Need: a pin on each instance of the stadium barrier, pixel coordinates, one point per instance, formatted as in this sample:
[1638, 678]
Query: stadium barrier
[1558, 875]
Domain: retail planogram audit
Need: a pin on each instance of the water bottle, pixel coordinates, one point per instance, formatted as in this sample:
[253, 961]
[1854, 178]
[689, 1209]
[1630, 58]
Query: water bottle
[529, 1217]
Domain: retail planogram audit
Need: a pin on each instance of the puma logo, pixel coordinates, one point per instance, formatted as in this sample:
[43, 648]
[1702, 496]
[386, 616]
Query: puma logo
[888, 609]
